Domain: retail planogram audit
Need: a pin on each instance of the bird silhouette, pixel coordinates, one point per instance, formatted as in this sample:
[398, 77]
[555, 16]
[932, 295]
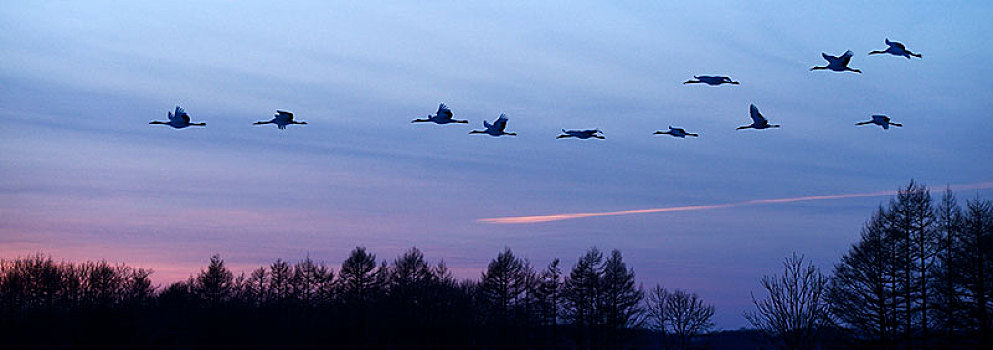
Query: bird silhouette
[178, 120]
[896, 49]
[880, 120]
[675, 132]
[711, 80]
[582, 134]
[495, 129]
[444, 116]
[281, 119]
[838, 64]
[758, 121]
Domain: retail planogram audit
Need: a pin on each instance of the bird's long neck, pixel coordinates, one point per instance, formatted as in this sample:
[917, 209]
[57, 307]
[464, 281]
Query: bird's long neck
[263, 122]
[477, 132]
[157, 122]
[876, 52]
[692, 82]
[818, 67]
[198, 124]
[420, 120]
[745, 127]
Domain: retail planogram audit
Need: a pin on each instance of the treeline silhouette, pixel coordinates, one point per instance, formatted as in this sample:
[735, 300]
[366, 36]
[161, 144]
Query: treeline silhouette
[919, 277]
[406, 304]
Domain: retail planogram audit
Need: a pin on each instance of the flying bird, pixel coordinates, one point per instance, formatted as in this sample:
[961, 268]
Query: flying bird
[896, 49]
[444, 116]
[495, 129]
[711, 80]
[281, 119]
[178, 120]
[582, 134]
[838, 64]
[675, 132]
[880, 120]
[758, 121]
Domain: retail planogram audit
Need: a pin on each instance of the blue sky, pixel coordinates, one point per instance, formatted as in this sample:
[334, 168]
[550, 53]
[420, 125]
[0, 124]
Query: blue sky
[87, 178]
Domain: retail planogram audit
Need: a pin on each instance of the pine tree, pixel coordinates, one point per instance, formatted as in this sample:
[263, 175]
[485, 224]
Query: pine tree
[620, 299]
[502, 287]
[581, 293]
[214, 285]
[357, 280]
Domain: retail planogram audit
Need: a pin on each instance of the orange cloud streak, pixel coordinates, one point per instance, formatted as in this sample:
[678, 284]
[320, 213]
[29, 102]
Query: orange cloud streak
[557, 217]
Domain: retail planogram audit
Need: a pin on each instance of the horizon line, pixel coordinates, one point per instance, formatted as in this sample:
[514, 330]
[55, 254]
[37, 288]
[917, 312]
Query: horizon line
[569, 216]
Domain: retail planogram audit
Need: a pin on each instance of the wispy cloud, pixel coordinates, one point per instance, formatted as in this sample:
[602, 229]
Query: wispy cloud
[558, 217]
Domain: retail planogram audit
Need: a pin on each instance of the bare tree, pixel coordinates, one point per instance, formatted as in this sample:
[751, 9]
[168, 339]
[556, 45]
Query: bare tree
[679, 316]
[795, 311]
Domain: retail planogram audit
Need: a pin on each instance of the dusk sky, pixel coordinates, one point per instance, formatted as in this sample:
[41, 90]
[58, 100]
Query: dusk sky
[85, 177]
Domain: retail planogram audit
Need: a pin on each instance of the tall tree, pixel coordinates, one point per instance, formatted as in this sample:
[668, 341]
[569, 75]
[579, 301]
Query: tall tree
[795, 312]
[280, 289]
[862, 293]
[947, 306]
[214, 285]
[581, 293]
[357, 280]
[976, 254]
[620, 299]
[549, 294]
[912, 227]
[502, 287]
[312, 282]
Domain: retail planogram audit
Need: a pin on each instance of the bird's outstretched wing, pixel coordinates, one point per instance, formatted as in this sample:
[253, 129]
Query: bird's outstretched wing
[181, 114]
[829, 58]
[285, 115]
[487, 124]
[756, 116]
[444, 112]
[501, 123]
[847, 57]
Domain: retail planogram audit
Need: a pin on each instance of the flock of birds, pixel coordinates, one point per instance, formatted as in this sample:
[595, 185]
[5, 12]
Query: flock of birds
[180, 119]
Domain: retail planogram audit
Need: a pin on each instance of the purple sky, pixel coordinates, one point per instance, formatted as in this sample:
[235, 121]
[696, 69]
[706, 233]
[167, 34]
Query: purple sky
[85, 176]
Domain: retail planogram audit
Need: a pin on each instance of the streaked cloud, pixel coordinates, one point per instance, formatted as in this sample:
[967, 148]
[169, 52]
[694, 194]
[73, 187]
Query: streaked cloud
[559, 217]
